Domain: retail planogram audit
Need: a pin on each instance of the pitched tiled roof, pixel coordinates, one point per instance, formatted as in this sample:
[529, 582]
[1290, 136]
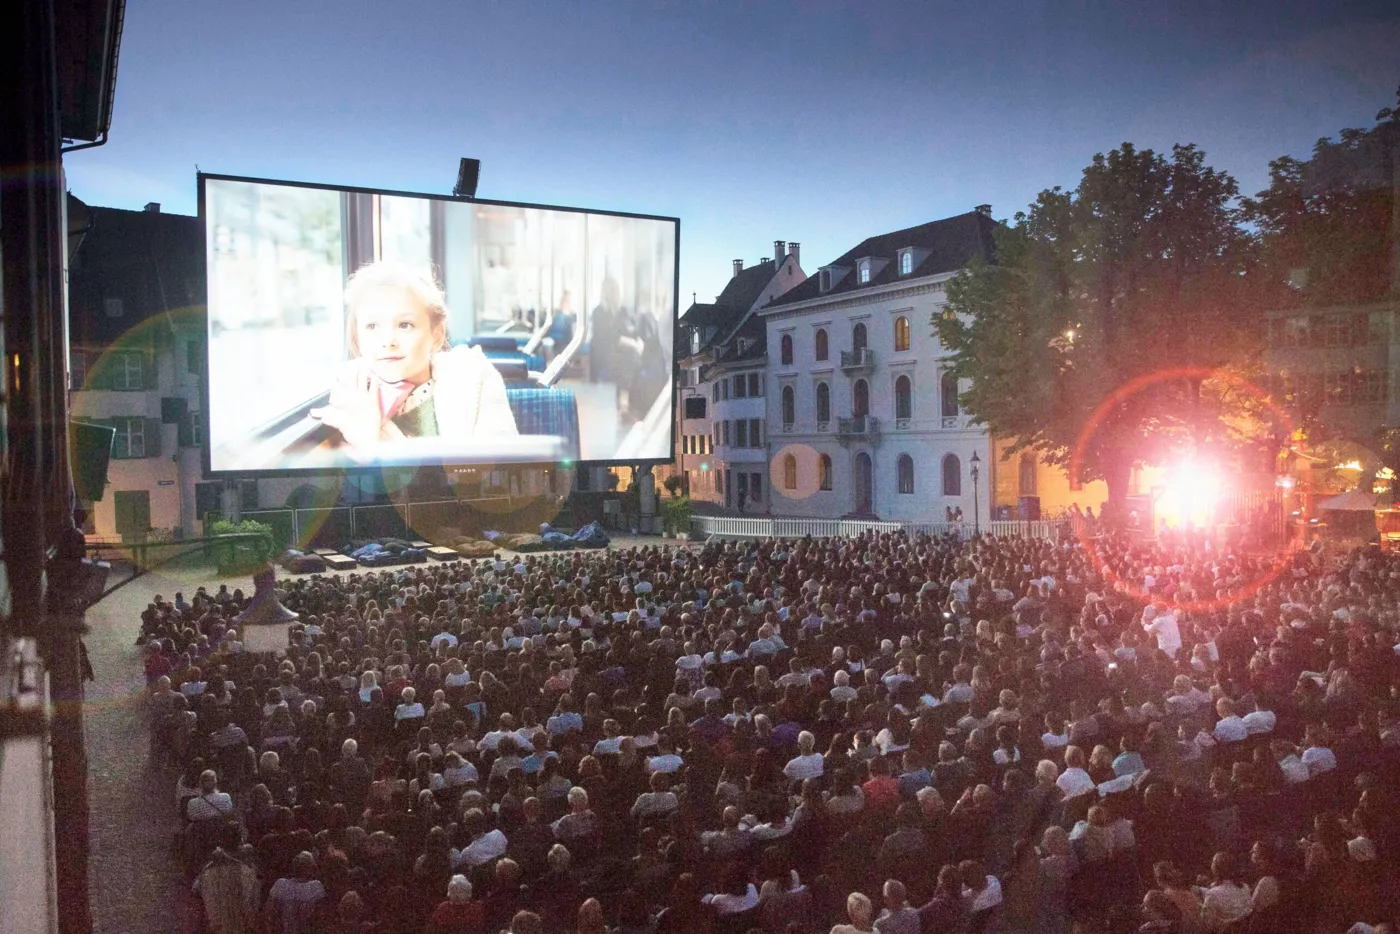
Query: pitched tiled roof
[950, 245]
[152, 262]
[734, 302]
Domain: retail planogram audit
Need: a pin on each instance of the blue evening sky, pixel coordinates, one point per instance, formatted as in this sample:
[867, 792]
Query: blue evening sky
[820, 121]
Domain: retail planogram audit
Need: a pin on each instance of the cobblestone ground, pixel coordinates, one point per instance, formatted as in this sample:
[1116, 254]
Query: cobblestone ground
[136, 888]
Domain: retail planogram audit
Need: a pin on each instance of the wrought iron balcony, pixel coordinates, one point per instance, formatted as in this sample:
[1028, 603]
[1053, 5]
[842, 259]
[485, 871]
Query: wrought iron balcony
[856, 360]
[862, 426]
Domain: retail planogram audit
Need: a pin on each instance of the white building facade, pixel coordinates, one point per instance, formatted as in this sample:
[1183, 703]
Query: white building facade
[722, 410]
[863, 414]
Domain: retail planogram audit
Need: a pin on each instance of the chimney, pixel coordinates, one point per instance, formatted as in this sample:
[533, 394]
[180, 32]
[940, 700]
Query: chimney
[984, 209]
[152, 207]
[779, 251]
[795, 251]
[738, 266]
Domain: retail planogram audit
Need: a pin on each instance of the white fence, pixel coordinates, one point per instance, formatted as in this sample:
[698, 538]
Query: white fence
[758, 527]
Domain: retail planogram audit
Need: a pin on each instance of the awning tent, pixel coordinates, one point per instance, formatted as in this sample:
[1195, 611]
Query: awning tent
[1358, 500]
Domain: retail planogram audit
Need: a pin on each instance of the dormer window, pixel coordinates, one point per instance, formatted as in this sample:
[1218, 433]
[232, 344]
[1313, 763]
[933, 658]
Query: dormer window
[825, 280]
[906, 262]
[863, 272]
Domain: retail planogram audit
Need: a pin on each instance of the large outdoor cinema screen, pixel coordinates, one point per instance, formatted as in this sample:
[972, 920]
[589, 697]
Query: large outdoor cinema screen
[353, 328]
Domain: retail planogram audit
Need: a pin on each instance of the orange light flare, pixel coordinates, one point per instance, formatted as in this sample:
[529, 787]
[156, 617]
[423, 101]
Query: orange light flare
[1193, 488]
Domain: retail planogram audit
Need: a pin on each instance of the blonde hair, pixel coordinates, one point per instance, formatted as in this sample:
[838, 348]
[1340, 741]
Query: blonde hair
[421, 284]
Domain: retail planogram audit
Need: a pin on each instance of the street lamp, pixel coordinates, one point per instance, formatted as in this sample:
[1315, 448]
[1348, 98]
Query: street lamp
[976, 519]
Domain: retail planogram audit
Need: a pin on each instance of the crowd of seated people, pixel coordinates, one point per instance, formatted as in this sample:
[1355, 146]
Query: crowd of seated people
[888, 733]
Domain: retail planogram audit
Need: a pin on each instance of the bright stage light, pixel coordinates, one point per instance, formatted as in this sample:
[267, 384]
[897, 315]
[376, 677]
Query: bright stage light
[1190, 495]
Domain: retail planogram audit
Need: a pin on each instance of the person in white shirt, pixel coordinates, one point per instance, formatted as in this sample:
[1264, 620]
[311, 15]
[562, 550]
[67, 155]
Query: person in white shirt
[1230, 728]
[1317, 757]
[1074, 780]
[210, 803]
[410, 708]
[1259, 720]
[443, 638]
[1163, 625]
[657, 802]
[493, 739]
[486, 844]
[1227, 900]
[842, 692]
[808, 763]
[666, 760]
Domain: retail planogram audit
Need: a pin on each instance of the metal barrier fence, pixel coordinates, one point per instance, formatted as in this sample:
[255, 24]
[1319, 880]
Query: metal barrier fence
[759, 527]
[333, 526]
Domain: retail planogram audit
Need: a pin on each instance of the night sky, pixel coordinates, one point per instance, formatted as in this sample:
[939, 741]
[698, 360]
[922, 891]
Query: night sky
[814, 120]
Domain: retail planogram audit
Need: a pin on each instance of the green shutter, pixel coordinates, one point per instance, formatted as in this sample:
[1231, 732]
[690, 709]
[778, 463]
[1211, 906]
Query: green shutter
[150, 370]
[154, 430]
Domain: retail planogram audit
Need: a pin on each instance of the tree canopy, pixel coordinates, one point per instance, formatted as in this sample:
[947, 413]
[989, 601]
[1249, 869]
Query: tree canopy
[1139, 276]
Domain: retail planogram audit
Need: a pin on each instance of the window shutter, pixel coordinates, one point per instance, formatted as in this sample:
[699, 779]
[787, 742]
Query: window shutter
[153, 430]
[150, 372]
[185, 431]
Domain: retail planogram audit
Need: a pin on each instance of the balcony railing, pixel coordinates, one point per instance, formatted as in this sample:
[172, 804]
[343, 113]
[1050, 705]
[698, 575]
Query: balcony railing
[824, 426]
[862, 359]
[954, 421]
[787, 426]
[862, 426]
[902, 424]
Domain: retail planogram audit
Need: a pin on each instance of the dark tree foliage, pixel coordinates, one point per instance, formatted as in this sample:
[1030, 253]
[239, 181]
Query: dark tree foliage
[1140, 271]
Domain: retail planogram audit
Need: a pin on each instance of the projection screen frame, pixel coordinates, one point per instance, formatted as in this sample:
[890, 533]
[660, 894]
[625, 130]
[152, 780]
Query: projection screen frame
[368, 469]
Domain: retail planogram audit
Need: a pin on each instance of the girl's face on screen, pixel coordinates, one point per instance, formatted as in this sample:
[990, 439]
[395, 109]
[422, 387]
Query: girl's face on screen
[396, 335]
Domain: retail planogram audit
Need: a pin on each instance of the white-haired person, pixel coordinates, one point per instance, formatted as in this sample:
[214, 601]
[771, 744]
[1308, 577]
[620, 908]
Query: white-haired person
[861, 913]
[458, 912]
[404, 378]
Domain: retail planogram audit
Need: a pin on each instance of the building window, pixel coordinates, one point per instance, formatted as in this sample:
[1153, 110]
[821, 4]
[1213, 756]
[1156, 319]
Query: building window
[901, 333]
[1027, 473]
[755, 385]
[194, 356]
[860, 399]
[906, 262]
[724, 390]
[756, 487]
[789, 408]
[952, 475]
[823, 402]
[714, 392]
[824, 279]
[948, 390]
[820, 350]
[859, 337]
[725, 439]
[741, 386]
[785, 353]
[112, 307]
[124, 371]
[903, 398]
[755, 432]
[685, 444]
[864, 271]
[130, 441]
[906, 473]
[77, 370]
[824, 472]
[789, 472]
[741, 430]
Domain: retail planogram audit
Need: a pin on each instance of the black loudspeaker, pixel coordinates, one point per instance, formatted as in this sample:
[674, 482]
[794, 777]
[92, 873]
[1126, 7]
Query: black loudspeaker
[468, 174]
[89, 450]
[1030, 509]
